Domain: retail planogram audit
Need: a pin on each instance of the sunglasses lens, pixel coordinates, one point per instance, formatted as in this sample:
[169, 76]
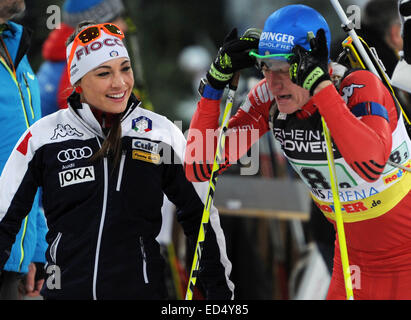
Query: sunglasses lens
[273, 64]
[113, 29]
[88, 34]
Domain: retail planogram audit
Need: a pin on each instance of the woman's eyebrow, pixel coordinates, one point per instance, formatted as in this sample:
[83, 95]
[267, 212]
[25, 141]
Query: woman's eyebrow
[107, 67]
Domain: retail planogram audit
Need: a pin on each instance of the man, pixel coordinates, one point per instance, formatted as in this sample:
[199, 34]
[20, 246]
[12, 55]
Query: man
[366, 126]
[19, 108]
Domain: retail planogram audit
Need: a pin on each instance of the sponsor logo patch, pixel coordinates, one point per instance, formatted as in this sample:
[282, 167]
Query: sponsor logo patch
[97, 45]
[146, 156]
[78, 175]
[279, 37]
[396, 175]
[142, 124]
[145, 145]
[74, 154]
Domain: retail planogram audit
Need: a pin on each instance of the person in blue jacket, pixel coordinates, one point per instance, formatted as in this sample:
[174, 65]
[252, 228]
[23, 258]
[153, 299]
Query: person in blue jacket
[19, 108]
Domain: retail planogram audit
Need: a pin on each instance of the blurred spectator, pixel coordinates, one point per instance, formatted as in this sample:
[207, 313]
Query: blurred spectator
[381, 29]
[20, 107]
[52, 75]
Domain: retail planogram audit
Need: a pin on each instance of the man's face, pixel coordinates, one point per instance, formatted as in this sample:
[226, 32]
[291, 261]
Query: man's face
[9, 8]
[289, 96]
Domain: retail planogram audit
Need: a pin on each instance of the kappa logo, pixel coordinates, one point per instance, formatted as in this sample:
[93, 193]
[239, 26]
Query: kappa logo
[142, 124]
[63, 131]
[78, 175]
[145, 145]
[348, 91]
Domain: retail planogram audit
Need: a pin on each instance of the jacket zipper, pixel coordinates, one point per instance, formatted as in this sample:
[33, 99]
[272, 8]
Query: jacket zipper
[100, 232]
[29, 94]
[53, 248]
[120, 171]
[13, 76]
[23, 235]
[144, 256]
[18, 86]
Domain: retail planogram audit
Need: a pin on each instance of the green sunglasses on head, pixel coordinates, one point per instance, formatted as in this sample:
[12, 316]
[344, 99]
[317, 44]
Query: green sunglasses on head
[270, 56]
[271, 61]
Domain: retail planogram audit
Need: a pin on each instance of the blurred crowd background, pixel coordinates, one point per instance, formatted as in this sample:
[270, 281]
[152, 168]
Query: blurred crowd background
[178, 39]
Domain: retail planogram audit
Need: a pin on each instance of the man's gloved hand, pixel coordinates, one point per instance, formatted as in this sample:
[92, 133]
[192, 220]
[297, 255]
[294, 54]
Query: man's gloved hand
[232, 56]
[309, 68]
[405, 12]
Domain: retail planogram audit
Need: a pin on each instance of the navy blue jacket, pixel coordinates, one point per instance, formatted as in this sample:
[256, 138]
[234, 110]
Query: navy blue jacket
[103, 218]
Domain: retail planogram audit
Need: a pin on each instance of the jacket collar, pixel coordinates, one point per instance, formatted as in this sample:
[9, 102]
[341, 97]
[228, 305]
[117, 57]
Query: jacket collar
[84, 112]
[17, 39]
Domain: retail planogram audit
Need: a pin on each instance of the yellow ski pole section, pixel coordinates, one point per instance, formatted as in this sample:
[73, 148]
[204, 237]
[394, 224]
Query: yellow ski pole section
[211, 189]
[338, 215]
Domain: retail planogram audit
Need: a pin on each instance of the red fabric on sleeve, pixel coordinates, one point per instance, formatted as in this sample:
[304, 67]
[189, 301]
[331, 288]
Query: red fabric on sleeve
[365, 143]
[203, 123]
[203, 134]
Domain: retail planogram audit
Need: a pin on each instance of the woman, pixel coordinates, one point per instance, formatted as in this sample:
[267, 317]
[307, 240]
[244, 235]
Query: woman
[104, 164]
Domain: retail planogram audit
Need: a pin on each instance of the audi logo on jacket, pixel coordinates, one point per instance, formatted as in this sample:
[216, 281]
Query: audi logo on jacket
[103, 219]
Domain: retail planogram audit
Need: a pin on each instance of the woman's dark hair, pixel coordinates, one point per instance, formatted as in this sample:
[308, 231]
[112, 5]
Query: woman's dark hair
[80, 27]
[112, 144]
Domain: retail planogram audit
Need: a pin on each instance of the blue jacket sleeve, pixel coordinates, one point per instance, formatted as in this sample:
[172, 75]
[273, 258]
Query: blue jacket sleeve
[42, 229]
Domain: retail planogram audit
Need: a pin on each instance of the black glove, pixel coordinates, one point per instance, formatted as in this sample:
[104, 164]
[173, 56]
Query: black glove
[232, 56]
[405, 12]
[309, 68]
